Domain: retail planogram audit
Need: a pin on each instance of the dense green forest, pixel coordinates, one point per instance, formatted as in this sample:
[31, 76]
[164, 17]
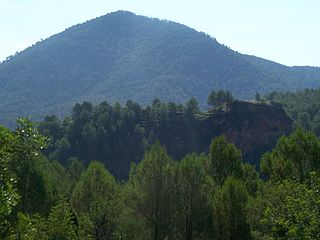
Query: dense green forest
[201, 196]
[119, 134]
[123, 56]
[302, 106]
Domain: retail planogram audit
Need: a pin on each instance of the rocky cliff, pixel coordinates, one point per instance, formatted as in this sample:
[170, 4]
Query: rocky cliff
[252, 127]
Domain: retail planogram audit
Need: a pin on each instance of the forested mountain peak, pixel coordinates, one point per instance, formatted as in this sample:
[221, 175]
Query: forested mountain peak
[121, 56]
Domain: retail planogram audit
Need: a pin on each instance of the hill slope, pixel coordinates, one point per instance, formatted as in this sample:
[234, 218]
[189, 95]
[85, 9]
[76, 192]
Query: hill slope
[123, 56]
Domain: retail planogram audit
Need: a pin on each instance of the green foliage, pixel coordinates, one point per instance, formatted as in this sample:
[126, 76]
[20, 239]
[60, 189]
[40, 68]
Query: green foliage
[286, 210]
[151, 192]
[296, 215]
[94, 184]
[62, 222]
[250, 177]
[8, 193]
[217, 100]
[30, 228]
[194, 191]
[117, 135]
[286, 206]
[98, 133]
[75, 169]
[23, 162]
[192, 106]
[57, 180]
[293, 157]
[229, 214]
[95, 199]
[302, 106]
[225, 160]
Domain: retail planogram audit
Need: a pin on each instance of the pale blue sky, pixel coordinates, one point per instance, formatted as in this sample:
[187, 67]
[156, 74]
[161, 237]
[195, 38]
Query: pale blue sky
[285, 31]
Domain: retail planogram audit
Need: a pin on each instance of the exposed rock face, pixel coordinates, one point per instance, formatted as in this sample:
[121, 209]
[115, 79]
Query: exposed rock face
[252, 127]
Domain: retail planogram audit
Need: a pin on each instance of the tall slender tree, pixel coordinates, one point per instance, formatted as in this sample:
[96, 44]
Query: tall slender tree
[224, 160]
[151, 188]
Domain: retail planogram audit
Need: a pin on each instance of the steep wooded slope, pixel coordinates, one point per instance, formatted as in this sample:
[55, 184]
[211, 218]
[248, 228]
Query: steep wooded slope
[123, 56]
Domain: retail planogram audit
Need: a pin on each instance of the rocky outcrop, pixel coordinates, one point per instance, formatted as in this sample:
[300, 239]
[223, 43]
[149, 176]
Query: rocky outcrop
[252, 127]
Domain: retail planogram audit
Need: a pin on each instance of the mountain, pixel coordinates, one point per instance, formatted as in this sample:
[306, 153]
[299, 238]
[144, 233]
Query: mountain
[123, 56]
[288, 78]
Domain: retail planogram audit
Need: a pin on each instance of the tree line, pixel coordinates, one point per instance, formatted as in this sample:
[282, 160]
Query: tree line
[201, 196]
[302, 106]
[119, 134]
